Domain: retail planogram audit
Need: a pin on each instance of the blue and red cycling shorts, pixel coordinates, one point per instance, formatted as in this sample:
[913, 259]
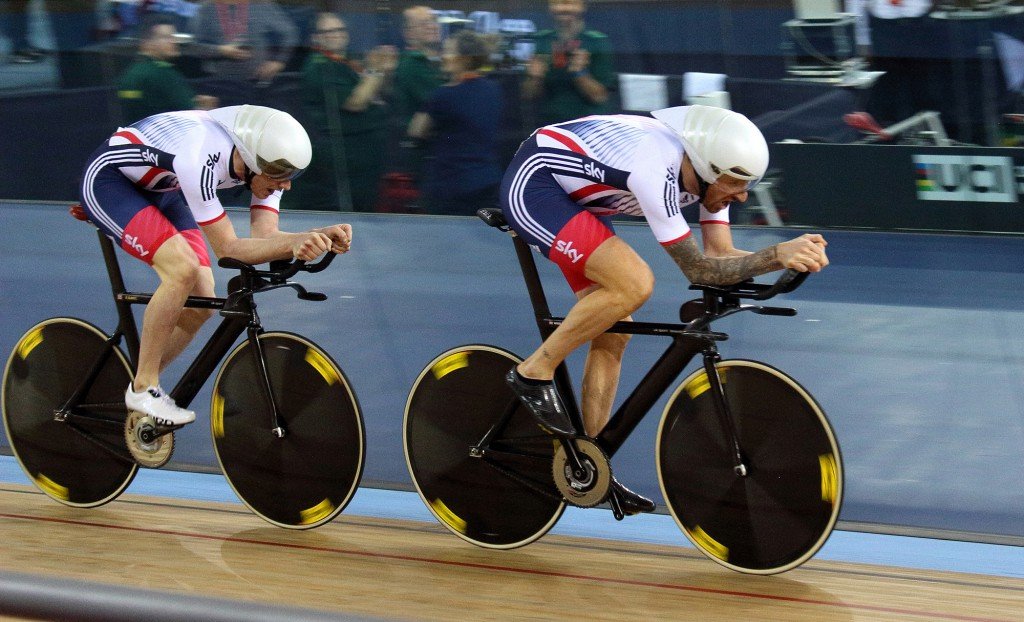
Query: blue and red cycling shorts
[140, 221]
[541, 212]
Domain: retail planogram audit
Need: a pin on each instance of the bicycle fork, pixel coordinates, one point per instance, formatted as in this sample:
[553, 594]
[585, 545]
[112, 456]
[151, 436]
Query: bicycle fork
[253, 335]
[711, 359]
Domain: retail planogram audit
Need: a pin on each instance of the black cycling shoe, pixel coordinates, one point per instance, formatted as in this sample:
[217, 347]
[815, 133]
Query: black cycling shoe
[543, 403]
[630, 502]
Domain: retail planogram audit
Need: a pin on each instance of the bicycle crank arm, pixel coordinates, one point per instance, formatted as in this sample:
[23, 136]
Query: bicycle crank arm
[617, 512]
[573, 456]
[149, 435]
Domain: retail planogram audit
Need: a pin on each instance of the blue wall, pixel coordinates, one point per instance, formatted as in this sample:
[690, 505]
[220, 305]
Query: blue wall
[911, 343]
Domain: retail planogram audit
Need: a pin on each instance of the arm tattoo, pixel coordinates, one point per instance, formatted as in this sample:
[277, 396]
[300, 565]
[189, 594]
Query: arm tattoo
[721, 270]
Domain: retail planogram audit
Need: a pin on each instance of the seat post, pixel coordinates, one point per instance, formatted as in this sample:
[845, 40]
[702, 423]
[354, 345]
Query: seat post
[541, 311]
[126, 321]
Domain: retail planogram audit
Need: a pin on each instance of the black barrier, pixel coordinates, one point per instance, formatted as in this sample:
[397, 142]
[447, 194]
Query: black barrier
[40, 598]
[973, 189]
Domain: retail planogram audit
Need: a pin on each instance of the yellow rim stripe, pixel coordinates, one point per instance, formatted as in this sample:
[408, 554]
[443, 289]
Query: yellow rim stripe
[217, 415]
[700, 383]
[708, 543]
[51, 487]
[449, 364]
[447, 516]
[29, 342]
[829, 478]
[322, 365]
[316, 513]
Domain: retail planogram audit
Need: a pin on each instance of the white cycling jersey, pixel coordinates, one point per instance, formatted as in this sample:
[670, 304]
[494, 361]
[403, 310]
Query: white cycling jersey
[191, 152]
[630, 166]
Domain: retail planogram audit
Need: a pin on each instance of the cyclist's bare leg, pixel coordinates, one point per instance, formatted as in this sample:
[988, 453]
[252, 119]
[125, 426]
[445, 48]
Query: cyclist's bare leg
[625, 283]
[601, 379]
[178, 267]
[190, 320]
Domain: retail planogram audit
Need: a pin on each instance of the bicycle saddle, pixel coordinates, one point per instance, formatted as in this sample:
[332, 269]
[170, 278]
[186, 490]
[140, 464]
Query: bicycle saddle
[78, 212]
[493, 217]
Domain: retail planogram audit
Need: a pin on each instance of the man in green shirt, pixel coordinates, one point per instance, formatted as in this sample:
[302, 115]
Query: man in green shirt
[343, 99]
[417, 76]
[571, 73]
[419, 71]
[152, 85]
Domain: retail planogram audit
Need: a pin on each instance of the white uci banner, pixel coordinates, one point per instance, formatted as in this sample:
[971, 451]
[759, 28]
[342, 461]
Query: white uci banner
[984, 179]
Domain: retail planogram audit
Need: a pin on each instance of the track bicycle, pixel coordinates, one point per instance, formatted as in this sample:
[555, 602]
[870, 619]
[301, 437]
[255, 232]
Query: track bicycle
[287, 429]
[747, 462]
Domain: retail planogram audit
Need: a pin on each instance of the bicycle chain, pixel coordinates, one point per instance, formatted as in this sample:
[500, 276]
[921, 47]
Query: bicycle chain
[522, 480]
[109, 448]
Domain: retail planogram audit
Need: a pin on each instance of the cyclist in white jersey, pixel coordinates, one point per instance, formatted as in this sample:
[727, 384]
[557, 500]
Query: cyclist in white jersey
[559, 193]
[152, 187]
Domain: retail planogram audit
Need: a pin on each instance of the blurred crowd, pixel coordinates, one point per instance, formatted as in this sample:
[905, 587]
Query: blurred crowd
[412, 121]
[415, 109]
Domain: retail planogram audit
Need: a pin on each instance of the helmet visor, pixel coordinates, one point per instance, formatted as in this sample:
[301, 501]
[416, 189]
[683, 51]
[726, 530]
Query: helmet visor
[279, 169]
[736, 172]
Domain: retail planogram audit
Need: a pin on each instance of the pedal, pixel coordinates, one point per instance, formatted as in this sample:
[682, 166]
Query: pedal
[149, 443]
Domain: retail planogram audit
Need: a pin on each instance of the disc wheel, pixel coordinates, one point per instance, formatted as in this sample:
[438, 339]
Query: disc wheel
[81, 461]
[307, 477]
[504, 496]
[782, 511]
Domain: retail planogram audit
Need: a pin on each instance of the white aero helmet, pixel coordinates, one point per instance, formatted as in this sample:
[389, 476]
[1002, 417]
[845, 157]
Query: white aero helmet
[719, 142]
[271, 142]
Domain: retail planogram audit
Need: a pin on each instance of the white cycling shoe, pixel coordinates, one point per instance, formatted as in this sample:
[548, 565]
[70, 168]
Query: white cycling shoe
[158, 405]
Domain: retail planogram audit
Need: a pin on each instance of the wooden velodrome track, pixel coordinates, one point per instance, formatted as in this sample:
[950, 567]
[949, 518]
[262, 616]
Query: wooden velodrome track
[408, 570]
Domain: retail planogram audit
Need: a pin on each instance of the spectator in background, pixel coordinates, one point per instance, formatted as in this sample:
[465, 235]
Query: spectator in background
[152, 85]
[418, 75]
[245, 44]
[349, 118]
[14, 19]
[571, 73]
[419, 70]
[461, 122]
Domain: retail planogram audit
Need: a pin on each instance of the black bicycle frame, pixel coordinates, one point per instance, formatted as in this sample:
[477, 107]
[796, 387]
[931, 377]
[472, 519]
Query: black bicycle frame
[686, 344]
[242, 320]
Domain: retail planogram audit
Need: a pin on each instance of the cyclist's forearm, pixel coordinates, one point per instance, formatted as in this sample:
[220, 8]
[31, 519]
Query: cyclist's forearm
[699, 268]
[261, 250]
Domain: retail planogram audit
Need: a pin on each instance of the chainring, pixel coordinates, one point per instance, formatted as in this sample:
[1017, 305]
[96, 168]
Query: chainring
[592, 487]
[154, 454]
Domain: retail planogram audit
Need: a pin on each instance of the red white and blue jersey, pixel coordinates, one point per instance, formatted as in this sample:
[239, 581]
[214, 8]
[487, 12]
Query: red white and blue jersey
[187, 151]
[618, 164]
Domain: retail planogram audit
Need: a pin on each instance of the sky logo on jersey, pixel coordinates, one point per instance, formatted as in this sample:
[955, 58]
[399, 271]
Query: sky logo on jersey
[566, 249]
[149, 156]
[133, 242]
[212, 159]
[594, 171]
